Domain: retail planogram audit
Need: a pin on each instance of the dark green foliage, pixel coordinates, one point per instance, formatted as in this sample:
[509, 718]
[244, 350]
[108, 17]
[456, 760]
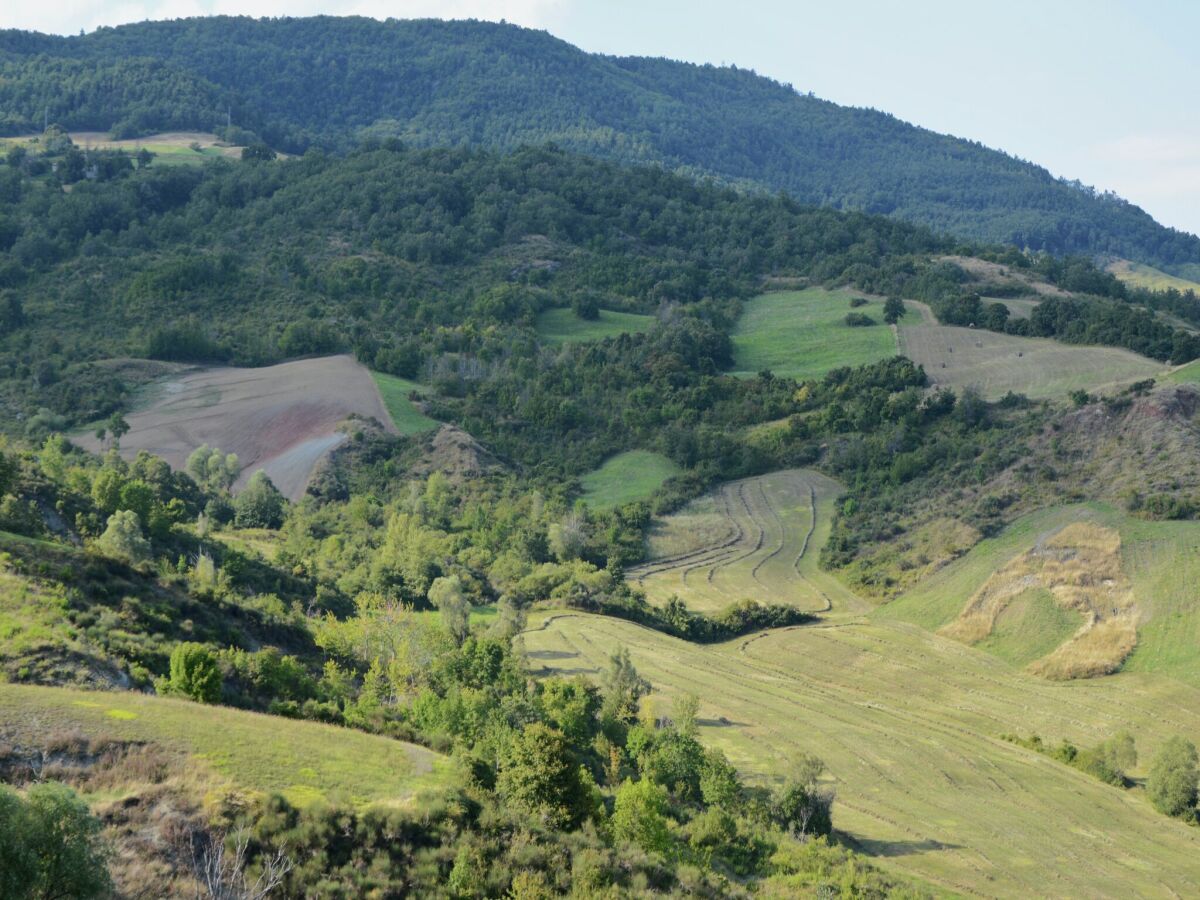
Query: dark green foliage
[893, 310]
[1171, 785]
[50, 846]
[331, 81]
[259, 504]
[858, 320]
[538, 776]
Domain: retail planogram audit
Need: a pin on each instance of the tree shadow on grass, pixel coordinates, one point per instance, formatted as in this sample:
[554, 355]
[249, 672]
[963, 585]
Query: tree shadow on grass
[872, 847]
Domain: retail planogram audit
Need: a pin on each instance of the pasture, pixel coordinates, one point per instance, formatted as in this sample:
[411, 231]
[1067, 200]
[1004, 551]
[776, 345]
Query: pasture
[755, 539]
[405, 416]
[997, 363]
[626, 477]
[170, 148]
[562, 326]
[802, 334]
[305, 761]
[282, 419]
[1144, 276]
[1159, 560]
[908, 723]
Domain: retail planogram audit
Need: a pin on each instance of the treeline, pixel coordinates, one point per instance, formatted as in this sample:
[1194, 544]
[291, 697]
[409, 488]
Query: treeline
[332, 82]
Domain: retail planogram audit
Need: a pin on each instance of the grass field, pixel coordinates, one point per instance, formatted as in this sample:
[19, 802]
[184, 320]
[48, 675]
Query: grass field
[1143, 276]
[1185, 374]
[908, 724]
[752, 539]
[406, 417]
[305, 761]
[801, 334]
[562, 326]
[998, 363]
[169, 148]
[626, 477]
[1160, 559]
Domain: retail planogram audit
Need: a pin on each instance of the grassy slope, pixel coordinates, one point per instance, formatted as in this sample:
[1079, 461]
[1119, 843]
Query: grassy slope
[629, 476]
[1144, 276]
[562, 326]
[406, 417]
[997, 363]
[303, 760]
[1160, 558]
[755, 538]
[801, 334]
[1185, 374]
[909, 726]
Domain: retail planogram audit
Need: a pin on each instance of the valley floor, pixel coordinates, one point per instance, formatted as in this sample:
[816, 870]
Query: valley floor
[909, 724]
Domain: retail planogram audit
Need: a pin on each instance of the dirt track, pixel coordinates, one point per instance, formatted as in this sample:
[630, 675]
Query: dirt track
[281, 419]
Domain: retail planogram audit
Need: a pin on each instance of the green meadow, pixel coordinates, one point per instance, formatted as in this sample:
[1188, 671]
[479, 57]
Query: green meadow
[405, 416]
[803, 334]
[562, 326]
[626, 477]
[304, 761]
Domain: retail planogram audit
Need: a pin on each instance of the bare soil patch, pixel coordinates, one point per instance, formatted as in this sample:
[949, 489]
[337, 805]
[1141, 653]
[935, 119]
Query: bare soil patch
[282, 419]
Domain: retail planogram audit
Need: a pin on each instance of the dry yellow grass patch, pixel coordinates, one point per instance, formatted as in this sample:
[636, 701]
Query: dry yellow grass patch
[1080, 566]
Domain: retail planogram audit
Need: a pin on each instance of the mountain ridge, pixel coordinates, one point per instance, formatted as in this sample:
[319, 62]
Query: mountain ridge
[333, 82]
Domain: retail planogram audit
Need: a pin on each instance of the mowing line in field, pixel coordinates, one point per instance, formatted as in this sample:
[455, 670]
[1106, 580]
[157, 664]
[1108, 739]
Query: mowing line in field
[909, 725]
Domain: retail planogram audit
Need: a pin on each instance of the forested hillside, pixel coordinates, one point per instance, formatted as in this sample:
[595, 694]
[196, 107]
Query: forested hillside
[332, 82]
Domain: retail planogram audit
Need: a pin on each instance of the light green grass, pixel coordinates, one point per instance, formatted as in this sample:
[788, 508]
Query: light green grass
[1031, 626]
[908, 724]
[562, 326]
[802, 334]
[1144, 276]
[304, 761]
[754, 539]
[1161, 559]
[406, 417]
[1186, 374]
[626, 477]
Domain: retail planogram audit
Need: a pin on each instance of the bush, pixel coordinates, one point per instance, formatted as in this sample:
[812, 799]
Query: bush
[1173, 778]
[123, 538]
[259, 505]
[50, 846]
[194, 673]
[859, 320]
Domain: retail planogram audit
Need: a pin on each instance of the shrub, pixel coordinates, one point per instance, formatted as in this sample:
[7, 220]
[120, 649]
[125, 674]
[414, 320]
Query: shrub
[859, 320]
[259, 505]
[123, 538]
[50, 846]
[1173, 777]
[194, 673]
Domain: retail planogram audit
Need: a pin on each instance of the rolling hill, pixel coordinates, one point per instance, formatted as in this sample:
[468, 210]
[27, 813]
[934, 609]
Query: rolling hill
[332, 81]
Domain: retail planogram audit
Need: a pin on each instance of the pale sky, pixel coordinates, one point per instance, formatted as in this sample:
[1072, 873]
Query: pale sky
[1106, 91]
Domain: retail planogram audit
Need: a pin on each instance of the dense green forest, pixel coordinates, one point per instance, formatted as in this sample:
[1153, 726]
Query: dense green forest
[332, 82]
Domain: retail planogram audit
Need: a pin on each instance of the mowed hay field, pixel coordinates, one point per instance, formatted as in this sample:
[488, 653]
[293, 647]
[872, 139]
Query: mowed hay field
[802, 334]
[626, 477]
[304, 761]
[1141, 275]
[282, 419]
[1157, 565]
[998, 363]
[562, 326]
[908, 724]
[757, 539]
